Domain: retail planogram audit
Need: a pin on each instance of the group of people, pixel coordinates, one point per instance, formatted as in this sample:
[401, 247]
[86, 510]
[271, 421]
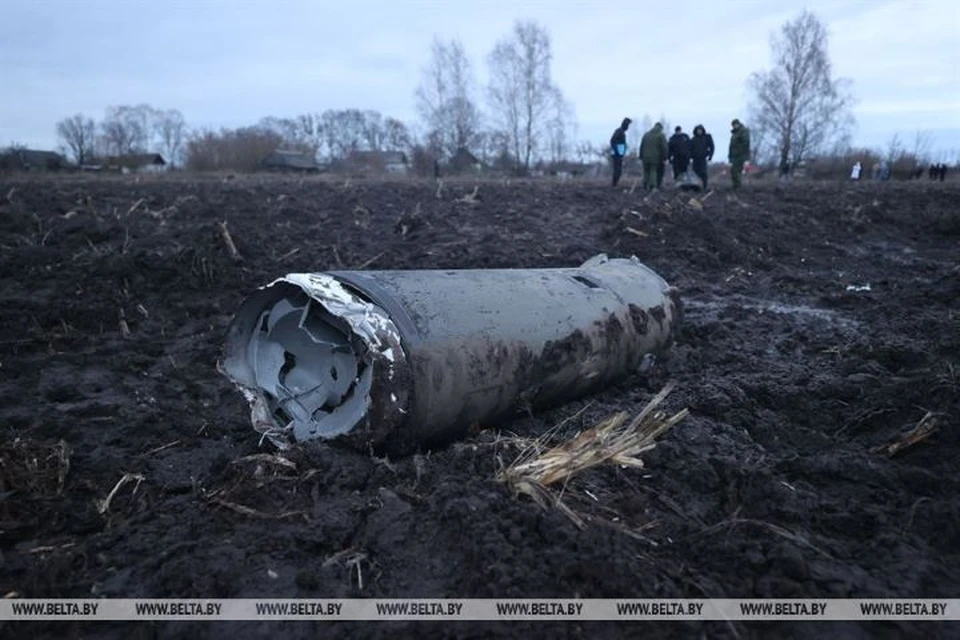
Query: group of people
[937, 171]
[680, 151]
[881, 171]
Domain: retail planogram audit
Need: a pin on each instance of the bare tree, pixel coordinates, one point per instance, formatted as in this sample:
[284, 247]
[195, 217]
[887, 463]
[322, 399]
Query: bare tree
[145, 116]
[310, 131]
[170, 128]
[521, 91]
[344, 131]
[79, 134]
[127, 129]
[396, 136]
[798, 102]
[373, 130]
[286, 128]
[586, 152]
[235, 149]
[922, 145]
[895, 150]
[445, 98]
[119, 135]
[562, 129]
[303, 133]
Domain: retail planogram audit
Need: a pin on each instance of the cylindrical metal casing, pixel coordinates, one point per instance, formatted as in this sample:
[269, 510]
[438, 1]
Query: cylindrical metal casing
[469, 348]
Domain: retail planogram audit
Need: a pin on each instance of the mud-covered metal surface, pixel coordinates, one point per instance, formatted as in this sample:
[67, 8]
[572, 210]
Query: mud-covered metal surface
[438, 353]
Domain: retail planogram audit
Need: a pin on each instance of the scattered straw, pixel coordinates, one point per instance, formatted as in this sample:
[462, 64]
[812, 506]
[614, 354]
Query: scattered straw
[923, 430]
[288, 254]
[135, 206]
[352, 559]
[228, 241]
[164, 447]
[124, 326]
[50, 548]
[471, 198]
[277, 460]
[34, 467]
[613, 441]
[104, 505]
[254, 513]
[367, 263]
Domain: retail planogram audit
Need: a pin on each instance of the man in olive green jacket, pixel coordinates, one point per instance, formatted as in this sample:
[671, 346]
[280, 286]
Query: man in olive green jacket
[653, 154]
[739, 151]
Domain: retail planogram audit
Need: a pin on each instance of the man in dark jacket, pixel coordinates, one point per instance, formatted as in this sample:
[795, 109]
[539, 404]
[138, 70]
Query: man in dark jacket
[739, 151]
[943, 171]
[653, 154]
[701, 152]
[618, 148]
[679, 152]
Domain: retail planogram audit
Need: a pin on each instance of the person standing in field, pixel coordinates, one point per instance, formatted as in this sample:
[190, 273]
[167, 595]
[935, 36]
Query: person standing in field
[739, 151]
[618, 148]
[701, 152]
[855, 173]
[653, 154]
[679, 152]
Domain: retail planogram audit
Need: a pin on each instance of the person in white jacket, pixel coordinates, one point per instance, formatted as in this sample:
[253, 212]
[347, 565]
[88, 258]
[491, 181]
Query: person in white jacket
[855, 174]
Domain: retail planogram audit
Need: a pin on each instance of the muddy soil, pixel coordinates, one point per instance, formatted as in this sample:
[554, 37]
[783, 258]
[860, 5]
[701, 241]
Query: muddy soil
[116, 293]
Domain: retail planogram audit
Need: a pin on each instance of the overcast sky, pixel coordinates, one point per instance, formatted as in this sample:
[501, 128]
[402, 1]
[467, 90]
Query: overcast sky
[232, 62]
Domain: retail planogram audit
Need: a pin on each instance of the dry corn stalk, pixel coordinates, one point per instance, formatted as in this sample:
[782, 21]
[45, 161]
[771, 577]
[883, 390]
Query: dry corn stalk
[613, 441]
[923, 430]
[228, 241]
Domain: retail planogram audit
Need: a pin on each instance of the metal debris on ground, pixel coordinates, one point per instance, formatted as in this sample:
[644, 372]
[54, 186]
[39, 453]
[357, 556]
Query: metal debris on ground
[401, 359]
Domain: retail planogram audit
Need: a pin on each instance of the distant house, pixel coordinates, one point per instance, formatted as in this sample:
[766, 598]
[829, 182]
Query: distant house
[464, 161]
[136, 162]
[33, 160]
[380, 161]
[287, 160]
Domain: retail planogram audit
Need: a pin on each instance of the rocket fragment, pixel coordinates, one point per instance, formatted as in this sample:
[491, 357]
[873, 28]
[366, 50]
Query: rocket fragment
[398, 360]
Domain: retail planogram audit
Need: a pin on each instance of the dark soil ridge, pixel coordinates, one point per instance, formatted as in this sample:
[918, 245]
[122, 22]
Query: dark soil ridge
[770, 488]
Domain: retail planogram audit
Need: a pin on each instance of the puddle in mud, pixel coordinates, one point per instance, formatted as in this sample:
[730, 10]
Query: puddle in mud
[712, 306]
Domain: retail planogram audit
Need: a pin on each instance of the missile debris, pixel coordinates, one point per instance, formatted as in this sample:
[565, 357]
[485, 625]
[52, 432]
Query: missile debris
[399, 360]
[688, 181]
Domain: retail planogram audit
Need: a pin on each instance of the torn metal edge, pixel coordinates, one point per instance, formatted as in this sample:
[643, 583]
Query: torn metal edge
[384, 353]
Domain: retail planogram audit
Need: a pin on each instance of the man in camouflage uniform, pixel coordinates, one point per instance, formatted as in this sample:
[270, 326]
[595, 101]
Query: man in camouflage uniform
[739, 151]
[653, 154]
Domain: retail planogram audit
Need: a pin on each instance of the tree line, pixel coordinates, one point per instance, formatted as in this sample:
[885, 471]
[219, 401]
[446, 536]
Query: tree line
[797, 111]
[526, 119]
